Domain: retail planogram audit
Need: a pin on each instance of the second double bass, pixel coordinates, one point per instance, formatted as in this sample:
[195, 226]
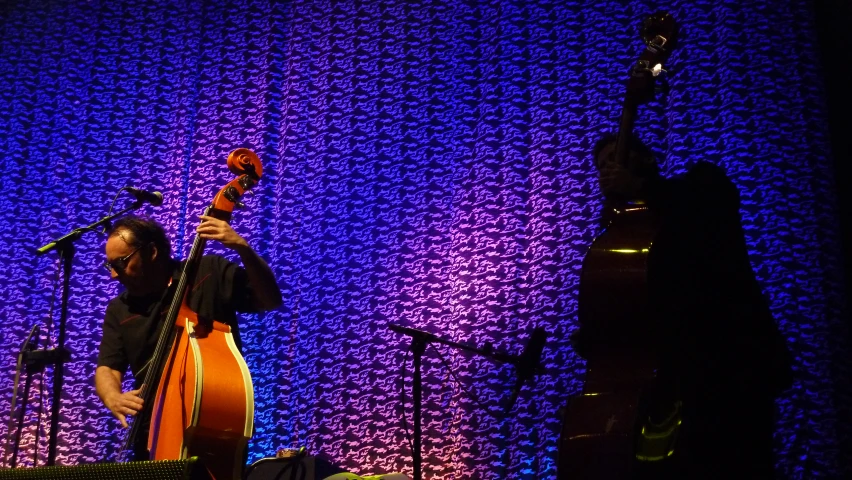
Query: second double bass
[604, 433]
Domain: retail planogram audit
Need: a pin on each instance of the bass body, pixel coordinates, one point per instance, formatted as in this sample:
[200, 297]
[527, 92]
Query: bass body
[205, 399]
[606, 431]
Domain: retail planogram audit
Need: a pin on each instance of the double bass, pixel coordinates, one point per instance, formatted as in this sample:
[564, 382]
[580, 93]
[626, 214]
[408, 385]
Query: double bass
[606, 430]
[203, 405]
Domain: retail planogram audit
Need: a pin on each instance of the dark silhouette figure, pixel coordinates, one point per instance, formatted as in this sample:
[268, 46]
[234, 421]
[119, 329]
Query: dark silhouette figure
[720, 352]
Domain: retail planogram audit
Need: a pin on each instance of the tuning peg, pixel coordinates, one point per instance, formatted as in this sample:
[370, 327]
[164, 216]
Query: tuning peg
[233, 195]
[241, 204]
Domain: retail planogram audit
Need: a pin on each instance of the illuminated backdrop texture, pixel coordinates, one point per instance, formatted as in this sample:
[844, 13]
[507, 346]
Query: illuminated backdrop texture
[427, 163]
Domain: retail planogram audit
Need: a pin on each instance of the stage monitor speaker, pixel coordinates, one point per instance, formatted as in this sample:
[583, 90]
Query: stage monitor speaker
[189, 469]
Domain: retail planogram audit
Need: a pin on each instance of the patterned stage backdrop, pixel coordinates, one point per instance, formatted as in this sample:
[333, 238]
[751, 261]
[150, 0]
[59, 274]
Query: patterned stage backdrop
[427, 163]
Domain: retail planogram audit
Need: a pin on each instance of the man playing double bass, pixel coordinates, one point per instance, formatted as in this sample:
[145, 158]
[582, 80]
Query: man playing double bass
[718, 348]
[138, 255]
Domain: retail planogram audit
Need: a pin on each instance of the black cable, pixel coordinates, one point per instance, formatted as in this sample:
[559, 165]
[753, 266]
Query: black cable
[473, 397]
[111, 205]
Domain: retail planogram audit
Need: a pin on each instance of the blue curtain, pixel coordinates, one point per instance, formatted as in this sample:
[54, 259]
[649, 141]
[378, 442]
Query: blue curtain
[426, 163]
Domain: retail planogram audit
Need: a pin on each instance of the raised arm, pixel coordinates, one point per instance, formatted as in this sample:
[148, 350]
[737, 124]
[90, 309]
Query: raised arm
[265, 292]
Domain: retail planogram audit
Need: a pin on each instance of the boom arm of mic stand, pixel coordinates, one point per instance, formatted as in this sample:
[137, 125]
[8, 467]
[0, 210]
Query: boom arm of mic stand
[486, 352]
[77, 232]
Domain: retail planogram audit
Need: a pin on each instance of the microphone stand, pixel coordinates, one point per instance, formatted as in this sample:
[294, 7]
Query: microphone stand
[59, 356]
[28, 346]
[419, 341]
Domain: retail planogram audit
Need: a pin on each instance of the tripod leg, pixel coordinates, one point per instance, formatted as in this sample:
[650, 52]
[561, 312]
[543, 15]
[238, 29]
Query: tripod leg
[21, 415]
[30, 343]
[17, 439]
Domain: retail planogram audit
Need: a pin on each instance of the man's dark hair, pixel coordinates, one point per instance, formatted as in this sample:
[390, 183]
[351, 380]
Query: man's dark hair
[648, 166]
[144, 231]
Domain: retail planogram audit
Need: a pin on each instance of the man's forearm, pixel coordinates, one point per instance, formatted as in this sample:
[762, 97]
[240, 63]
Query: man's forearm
[121, 404]
[107, 382]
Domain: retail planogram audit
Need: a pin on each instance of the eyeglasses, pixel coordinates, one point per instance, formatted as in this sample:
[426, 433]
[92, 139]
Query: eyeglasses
[119, 264]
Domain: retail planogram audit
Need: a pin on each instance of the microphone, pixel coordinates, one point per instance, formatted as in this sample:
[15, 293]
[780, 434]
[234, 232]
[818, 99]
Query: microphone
[144, 196]
[528, 362]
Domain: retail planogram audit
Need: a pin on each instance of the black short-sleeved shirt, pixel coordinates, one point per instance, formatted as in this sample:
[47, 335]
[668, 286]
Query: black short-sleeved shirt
[132, 324]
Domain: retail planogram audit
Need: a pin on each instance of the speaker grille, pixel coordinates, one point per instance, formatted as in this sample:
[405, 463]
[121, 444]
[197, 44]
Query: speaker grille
[189, 469]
